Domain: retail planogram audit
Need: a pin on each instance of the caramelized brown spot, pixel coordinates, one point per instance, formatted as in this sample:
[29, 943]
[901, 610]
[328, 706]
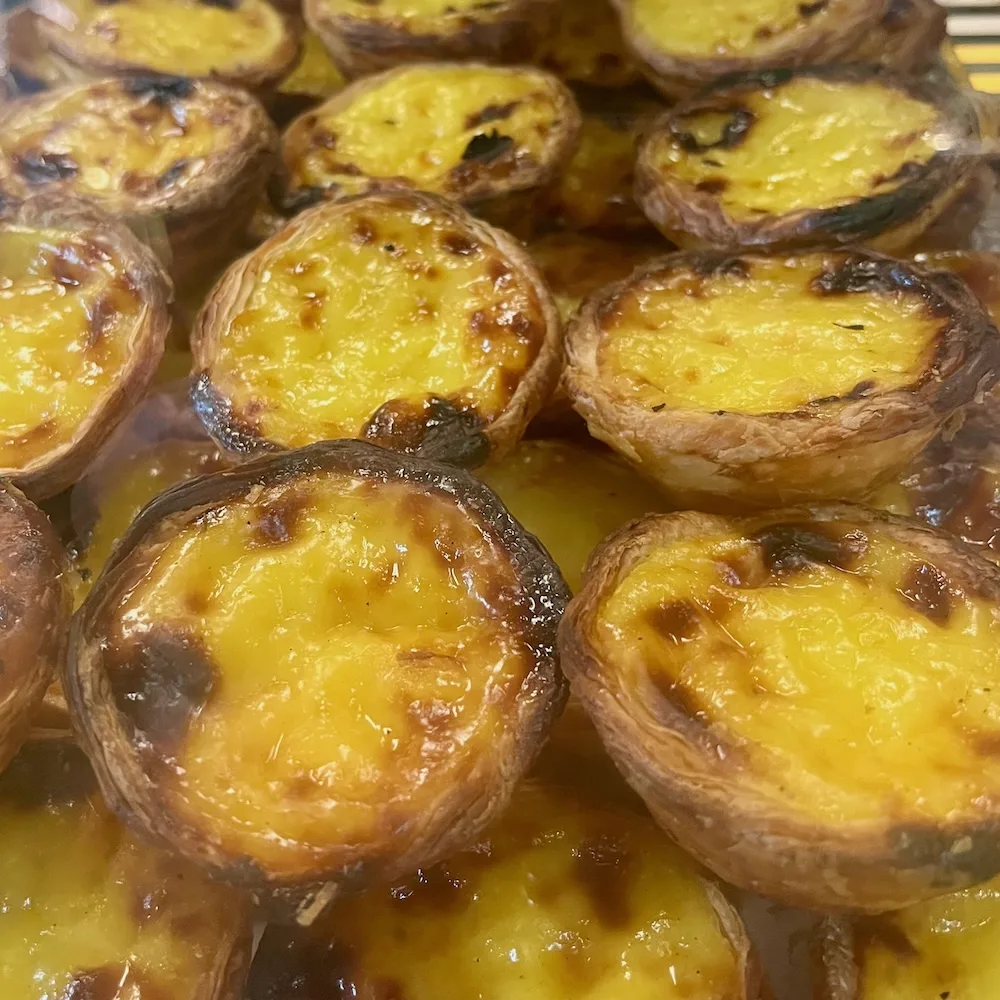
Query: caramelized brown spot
[602, 867]
[925, 588]
[69, 268]
[744, 570]
[498, 272]
[276, 522]
[809, 9]
[96, 984]
[296, 964]
[792, 548]
[677, 621]
[435, 889]
[364, 232]
[101, 316]
[460, 244]
[713, 185]
[491, 113]
[311, 313]
[433, 428]
[163, 684]
[46, 774]
[985, 744]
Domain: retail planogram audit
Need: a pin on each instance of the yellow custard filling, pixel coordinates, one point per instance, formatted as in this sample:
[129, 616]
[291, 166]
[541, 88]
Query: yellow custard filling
[67, 310]
[85, 910]
[586, 45]
[102, 142]
[177, 37]
[719, 28]
[315, 73]
[762, 340]
[417, 124]
[361, 648]
[370, 308]
[808, 144]
[947, 947]
[569, 497]
[855, 685]
[562, 899]
[418, 15]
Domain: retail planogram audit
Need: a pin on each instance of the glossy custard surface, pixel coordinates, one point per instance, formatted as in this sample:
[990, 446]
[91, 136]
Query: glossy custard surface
[562, 898]
[586, 45]
[761, 337]
[67, 311]
[315, 73]
[807, 144]
[86, 910]
[417, 15]
[365, 309]
[417, 125]
[852, 677]
[346, 650]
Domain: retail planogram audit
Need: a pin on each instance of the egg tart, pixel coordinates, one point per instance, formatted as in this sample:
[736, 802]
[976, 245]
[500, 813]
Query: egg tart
[978, 269]
[247, 43]
[586, 46]
[756, 381]
[34, 614]
[573, 896]
[397, 318]
[30, 66]
[312, 80]
[809, 157]
[188, 158]
[907, 38]
[161, 444]
[365, 37]
[945, 947]
[684, 46]
[83, 318]
[318, 671]
[91, 913]
[569, 496]
[806, 699]
[471, 132]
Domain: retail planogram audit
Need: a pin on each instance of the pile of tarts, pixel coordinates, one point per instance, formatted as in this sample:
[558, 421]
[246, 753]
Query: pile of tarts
[491, 493]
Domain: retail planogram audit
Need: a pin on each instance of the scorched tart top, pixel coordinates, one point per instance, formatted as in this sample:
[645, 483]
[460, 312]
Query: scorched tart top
[396, 317]
[321, 668]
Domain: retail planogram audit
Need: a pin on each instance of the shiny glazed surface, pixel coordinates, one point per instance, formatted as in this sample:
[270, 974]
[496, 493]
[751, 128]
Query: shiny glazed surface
[345, 651]
[586, 45]
[123, 149]
[562, 898]
[67, 313]
[315, 73]
[415, 15]
[178, 37]
[569, 497]
[840, 673]
[417, 124]
[811, 144]
[762, 339]
[362, 309]
[86, 911]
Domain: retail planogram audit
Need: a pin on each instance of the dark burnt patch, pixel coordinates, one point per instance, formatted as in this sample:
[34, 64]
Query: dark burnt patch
[856, 273]
[791, 548]
[907, 172]
[71, 267]
[161, 684]
[733, 133]
[161, 90]
[435, 428]
[883, 931]
[676, 621]
[486, 147]
[96, 984]
[925, 589]
[47, 774]
[812, 9]
[276, 521]
[38, 167]
[224, 4]
[296, 964]
[460, 244]
[311, 311]
[490, 113]
[955, 856]
[713, 185]
[364, 232]
[499, 272]
[432, 890]
[602, 866]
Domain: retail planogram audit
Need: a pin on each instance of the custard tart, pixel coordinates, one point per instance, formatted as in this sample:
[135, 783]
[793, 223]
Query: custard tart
[247, 43]
[682, 46]
[318, 671]
[181, 158]
[571, 896]
[84, 312]
[35, 607]
[786, 159]
[365, 37]
[756, 381]
[397, 318]
[470, 132]
[91, 913]
[808, 700]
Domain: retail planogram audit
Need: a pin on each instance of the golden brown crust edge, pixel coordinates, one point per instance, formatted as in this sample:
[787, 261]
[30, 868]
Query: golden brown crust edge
[460, 814]
[677, 77]
[36, 606]
[866, 868]
[889, 221]
[235, 431]
[840, 447]
[360, 46]
[62, 466]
